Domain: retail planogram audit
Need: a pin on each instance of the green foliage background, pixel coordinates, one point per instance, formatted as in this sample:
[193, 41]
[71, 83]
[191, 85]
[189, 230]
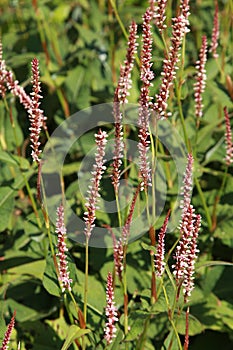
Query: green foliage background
[80, 46]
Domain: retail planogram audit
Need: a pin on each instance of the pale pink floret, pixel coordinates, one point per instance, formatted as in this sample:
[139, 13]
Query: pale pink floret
[215, 33]
[159, 256]
[93, 192]
[110, 311]
[199, 86]
[228, 138]
[63, 268]
[6, 339]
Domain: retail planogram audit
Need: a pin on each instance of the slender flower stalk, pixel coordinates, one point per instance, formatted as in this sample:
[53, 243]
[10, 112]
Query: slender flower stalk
[159, 256]
[62, 249]
[228, 138]
[93, 192]
[10, 327]
[179, 28]
[36, 116]
[199, 86]
[110, 312]
[146, 75]
[215, 33]
[186, 339]
[125, 82]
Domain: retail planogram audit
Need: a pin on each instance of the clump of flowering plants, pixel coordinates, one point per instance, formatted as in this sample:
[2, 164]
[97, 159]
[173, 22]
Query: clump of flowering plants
[136, 251]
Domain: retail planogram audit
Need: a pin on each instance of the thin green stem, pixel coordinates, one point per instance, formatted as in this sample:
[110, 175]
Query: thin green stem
[208, 217]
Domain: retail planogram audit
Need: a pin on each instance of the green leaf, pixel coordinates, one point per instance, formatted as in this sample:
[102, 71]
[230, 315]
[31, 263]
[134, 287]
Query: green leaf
[137, 320]
[6, 206]
[50, 279]
[74, 333]
[195, 326]
[148, 247]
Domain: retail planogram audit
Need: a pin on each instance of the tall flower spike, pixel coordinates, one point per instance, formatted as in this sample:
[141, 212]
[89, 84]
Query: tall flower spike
[187, 186]
[188, 284]
[93, 192]
[62, 249]
[159, 257]
[200, 84]
[118, 142]
[3, 73]
[118, 254]
[179, 28]
[110, 312]
[120, 97]
[228, 139]
[146, 75]
[35, 113]
[184, 11]
[159, 14]
[10, 327]
[125, 82]
[183, 249]
[215, 33]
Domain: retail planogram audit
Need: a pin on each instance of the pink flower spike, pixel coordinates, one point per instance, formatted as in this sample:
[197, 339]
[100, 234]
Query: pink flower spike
[200, 84]
[10, 327]
[159, 257]
[98, 169]
[187, 186]
[146, 75]
[186, 252]
[118, 253]
[110, 312]
[159, 14]
[62, 249]
[36, 116]
[191, 258]
[228, 139]
[215, 33]
[3, 73]
[118, 143]
[125, 82]
[184, 11]
[179, 28]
